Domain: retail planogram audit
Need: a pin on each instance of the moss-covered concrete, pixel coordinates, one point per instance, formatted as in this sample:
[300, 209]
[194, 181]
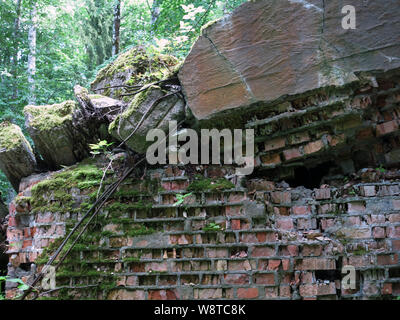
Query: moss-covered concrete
[47, 117]
[11, 136]
[142, 66]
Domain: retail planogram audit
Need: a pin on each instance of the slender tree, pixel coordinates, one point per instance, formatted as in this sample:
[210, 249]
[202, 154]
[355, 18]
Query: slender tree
[116, 27]
[155, 12]
[32, 54]
[17, 24]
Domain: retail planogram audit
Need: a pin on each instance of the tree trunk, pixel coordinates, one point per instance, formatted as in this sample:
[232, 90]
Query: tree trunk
[32, 54]
[17, 24]
[155, 12]
[116, 27]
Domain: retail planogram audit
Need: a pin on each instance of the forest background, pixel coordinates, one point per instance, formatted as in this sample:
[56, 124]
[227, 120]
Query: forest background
[48, 46]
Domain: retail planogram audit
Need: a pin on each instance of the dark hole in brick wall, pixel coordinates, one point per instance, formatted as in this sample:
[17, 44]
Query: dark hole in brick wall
[310, 177]
[147, 280]
[330, 275]
[394, 272]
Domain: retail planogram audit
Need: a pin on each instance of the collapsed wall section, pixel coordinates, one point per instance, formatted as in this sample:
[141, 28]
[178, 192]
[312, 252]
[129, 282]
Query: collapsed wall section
[224, 241]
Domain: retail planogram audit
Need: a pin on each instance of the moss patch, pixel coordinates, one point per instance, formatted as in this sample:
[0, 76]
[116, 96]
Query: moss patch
[53, 194]
[49, 116]
[11, 136]
[147, 68]
[201, 184]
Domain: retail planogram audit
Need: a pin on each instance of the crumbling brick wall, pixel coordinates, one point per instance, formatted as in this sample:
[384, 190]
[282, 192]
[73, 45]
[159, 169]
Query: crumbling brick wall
[273, 241]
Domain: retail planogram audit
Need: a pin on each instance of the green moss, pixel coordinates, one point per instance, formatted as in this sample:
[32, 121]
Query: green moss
[47, 117]
[130, 193]
[107, 234]
[11, 136]
[82, 176]
[147, 68]
[96, 96]
[360, 252]
[132, 107]
[139, 231]
[124, 207]
[201, 184]
[131, 259]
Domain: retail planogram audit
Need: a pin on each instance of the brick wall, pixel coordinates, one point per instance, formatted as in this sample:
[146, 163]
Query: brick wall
[273, 241]
[356, 126]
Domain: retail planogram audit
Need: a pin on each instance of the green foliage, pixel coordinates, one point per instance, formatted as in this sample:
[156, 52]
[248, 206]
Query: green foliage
[381, 169]
[212, 227]
[180, 198]
[100, 147]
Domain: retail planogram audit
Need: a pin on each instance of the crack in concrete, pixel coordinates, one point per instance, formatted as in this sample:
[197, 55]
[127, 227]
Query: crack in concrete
[232, 67]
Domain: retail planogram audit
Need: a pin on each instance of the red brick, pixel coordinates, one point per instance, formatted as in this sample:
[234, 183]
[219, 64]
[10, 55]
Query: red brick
[377, 218]
[393, 232]
[180, 239]
[217, 252]
[271, 159]
[248, 238]
[162, 295]
[335, 140]
[306, 224]
[281, 197]
[263, 252]
[394, 218]
[315, 264]
[247, 293]
[292, 154]
[326, 223]
[356, 207]
[26, 243]
[274, 264]
[233, 211]
[321, 194]
[368, 191]
[240, 278]
[311, 250]
[299, 138]
[285, 224]
[378, 233]
[285, 264]
[289, 250]
[313, 147]
[241, 265]
[396, 245]
[12, 222]
[274, 144]
[301, 210]
[388, 259]
[387, 288]
[156, 266]
[208, 293]
[327, 208]
[386, 128]
[308, 290]
[264, 278]
[235, 224]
